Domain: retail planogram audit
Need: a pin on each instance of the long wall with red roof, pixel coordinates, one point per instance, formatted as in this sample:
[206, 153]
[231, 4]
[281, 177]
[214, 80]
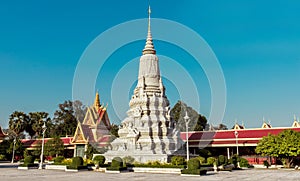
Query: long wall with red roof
[227, 138]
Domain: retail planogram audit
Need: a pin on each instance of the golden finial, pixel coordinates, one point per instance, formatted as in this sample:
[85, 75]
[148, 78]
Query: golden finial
[97, 101]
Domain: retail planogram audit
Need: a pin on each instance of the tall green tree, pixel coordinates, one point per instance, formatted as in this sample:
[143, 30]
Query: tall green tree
[65, 122]
[285, 145]
[36, 122]
[19, 148]
[79, 110]
[18, 122]
[197, 121]
[54, 147]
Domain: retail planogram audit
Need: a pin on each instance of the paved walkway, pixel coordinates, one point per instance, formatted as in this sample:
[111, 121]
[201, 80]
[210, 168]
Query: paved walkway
[10, 173]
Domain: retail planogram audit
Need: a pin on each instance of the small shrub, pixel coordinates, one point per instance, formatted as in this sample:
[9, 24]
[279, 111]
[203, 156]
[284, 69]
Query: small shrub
[177, 160]
[29, 160]
[77, 161]
[211, 160]
[222, 160]
[117, 162]
[193, 164]
[2, 157]
[128, 160]
[244, 162]
[201, 159]
[99, 160]
[59, 159]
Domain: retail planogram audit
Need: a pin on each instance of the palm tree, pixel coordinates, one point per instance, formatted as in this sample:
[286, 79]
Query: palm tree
[36, 122]
[18, 122]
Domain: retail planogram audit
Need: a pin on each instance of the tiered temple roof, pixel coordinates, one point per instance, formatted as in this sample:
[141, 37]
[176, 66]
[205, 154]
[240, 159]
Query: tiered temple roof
[94, 127]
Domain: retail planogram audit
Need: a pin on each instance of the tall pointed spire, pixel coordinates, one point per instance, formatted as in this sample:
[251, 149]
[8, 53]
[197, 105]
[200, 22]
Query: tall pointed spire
[97, 101]
[149, 47]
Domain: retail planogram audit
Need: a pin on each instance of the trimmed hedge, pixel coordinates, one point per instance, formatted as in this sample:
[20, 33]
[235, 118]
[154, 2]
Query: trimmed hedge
[193, 164]
[99, 160]
[211, 160]
[77, 161]
[194, 171]
[178, 160]
[59, 159]
[201, 159]
[117, 162]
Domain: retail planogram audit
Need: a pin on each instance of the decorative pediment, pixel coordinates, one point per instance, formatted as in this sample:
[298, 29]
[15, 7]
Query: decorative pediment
[266, 125]
[296, 124]
[237, 126]
[91, 116]
[79, 135]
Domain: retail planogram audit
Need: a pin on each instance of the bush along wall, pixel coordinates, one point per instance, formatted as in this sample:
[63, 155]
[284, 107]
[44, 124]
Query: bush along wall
[194, 168]
[28, 162]
[117, 164]
[77, 163]
[99, 160]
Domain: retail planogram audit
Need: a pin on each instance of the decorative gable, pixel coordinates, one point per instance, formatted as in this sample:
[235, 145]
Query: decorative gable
[296, 124]
[265, 125]
[237, 126]
[79, 135]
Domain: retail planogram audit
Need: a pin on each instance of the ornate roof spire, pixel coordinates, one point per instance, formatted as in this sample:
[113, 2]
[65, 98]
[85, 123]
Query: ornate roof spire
[97, 101]
[149, 47]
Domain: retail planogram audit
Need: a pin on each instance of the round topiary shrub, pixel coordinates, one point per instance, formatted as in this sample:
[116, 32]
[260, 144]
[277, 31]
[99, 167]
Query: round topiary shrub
[244, 162]
[177, 160]
[29, 160]
[117, 162]
[59, 159]
[77, 161]
[193, 164]
[99, 160]
[211, 160]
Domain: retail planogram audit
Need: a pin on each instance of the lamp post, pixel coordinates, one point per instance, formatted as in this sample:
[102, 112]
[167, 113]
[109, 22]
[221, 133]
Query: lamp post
[43, 141]
[13, 153]
[187, 120]
[236, 134]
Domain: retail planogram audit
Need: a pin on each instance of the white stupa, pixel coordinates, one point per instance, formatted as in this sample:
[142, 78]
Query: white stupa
[147, 134]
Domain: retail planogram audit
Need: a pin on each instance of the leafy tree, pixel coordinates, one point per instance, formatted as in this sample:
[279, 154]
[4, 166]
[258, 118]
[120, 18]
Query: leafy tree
[197, 122]
[54, 147]
[79, 110]
[4, 146]
[36, 121]
[267, 146]
[18, 122]
[19, 148]
[64, 120]
[285, 145]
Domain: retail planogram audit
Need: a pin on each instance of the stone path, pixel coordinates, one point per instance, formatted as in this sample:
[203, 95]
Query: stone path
[9, 172]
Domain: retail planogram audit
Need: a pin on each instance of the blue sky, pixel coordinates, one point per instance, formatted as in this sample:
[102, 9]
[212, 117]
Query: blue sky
[256, 42]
